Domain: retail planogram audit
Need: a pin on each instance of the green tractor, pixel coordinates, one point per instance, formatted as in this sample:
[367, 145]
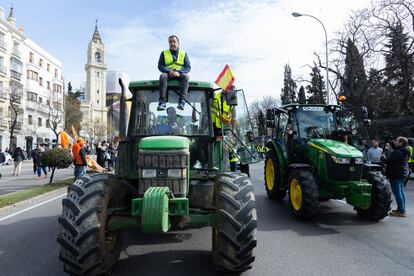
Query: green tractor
[308, 160]
[171, 173]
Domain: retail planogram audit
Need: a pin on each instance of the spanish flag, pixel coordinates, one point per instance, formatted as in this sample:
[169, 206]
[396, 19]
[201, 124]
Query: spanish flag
[226, 79]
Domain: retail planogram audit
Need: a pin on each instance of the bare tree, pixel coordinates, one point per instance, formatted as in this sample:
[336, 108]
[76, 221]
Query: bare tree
[96, 130]
[15, 97]
[55, 114]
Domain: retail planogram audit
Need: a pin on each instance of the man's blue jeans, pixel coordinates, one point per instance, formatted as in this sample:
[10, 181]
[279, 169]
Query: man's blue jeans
[79, 171]
[398, 191]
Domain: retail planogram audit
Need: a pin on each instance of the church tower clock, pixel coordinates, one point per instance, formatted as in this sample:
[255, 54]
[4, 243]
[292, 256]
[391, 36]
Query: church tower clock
[95, 90]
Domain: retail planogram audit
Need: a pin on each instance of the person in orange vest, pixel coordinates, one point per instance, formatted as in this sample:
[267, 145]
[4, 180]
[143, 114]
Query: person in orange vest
[79, 157]
[173, 64]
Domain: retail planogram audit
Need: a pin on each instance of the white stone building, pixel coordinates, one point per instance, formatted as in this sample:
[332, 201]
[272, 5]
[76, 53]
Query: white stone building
[30, 83]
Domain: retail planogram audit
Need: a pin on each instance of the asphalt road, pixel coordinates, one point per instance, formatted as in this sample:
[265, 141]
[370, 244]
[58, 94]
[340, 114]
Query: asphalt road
[336, 243]
[26, 179]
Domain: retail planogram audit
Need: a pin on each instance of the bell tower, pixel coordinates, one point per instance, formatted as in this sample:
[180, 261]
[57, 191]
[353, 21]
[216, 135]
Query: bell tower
[95, 90]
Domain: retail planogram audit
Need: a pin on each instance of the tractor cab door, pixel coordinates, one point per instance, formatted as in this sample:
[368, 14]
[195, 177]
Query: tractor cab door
[243, 143]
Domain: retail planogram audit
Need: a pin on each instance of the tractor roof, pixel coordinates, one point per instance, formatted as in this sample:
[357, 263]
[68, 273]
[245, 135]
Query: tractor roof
[151, 84]
[295, 106]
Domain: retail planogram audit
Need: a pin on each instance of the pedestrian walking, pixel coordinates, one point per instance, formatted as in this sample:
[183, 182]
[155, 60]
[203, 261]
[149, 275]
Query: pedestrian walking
[101, 154]
[18, 157]
[111, 155]
[397, 171]
[39, 165]
[79, 157]
[33, 155]
[2, 160]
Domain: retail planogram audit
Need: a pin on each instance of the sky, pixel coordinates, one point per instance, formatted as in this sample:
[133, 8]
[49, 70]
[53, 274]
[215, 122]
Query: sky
[256, 38]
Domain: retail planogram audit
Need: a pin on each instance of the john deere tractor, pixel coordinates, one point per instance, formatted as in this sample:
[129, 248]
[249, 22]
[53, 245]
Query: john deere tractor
[171, 173]
[309, 160]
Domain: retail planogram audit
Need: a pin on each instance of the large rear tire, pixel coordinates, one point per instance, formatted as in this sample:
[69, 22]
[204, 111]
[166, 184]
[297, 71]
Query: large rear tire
[380, 197]
[87, 248]
[303, 193]
[235, 231]
[273, 178]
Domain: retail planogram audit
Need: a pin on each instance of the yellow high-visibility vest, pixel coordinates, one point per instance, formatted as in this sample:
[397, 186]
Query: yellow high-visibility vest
[216, 111]
[411, 160]
[169, 61]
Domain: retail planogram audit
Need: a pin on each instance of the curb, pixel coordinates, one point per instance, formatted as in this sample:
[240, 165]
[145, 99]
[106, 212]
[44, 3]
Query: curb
[5, 211]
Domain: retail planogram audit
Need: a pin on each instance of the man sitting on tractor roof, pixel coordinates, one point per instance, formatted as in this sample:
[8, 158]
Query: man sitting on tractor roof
[174, 64]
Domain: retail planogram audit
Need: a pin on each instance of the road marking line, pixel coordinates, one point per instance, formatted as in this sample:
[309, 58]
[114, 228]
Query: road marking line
[31, 207]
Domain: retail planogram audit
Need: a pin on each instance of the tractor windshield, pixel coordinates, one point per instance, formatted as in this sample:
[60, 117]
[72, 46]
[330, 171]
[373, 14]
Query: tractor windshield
[192, 121]
[314, 122]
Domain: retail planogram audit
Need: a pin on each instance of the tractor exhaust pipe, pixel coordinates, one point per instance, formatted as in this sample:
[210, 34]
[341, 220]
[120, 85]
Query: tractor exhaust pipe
[122, 112]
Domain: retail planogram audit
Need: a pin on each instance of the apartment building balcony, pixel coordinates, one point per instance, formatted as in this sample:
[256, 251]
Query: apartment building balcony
[33, 105]
[3, 46]
[16, 53]
[3, 70]
[15, 75]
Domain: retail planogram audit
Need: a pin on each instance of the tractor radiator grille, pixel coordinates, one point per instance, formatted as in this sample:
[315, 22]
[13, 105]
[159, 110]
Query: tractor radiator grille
[343, 172]
[161, 163]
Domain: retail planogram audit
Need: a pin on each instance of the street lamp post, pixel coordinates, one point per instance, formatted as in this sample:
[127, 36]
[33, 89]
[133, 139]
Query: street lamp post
[297, 14]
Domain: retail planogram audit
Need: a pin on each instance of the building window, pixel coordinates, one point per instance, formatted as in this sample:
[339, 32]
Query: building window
[56, 73]
[30, 120]
[48, 85]
[97, 74]
[39, 121]
[41, 62]
[31, 57]
[40, 100]
[32, 75]
[47, 102]
[48, 67]
[57, 88]
[32, 96]
[47, 123]
[40, 81]
[1, 89]
[2, 68]
[2, 43]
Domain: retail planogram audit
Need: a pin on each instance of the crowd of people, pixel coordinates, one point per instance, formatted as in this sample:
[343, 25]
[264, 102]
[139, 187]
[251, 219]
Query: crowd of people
[397, 159]
[105, 157]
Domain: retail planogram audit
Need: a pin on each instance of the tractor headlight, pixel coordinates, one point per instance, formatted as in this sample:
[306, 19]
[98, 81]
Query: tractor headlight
[341, 160]
[359, 161]
[176, 173]
[148, 173]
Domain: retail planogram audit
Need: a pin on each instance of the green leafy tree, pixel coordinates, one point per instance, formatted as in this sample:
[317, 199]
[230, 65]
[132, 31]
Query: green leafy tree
[399, 70]
[73, 113]
[57, 158]
[302, 95]
[354, 81]
[288, 94]
[315, 90]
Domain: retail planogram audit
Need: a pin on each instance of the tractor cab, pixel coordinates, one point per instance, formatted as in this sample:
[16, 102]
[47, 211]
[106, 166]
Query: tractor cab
[311, 158]
[171, 173]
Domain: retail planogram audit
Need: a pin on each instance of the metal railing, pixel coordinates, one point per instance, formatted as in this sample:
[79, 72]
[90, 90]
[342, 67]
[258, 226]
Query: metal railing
[3, 69]
[3, 45]
[16, 52]
[15, 75]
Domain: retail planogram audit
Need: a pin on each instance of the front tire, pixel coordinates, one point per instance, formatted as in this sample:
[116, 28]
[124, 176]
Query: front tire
[303, 194]
[87, 248]
[235, 231]
[380, 197]
[273, 178]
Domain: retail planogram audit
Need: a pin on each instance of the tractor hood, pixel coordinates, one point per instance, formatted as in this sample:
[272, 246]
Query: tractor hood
[164, 143]
[335, 148]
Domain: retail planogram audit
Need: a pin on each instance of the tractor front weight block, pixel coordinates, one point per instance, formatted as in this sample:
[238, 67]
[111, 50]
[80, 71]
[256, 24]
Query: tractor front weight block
[155, 208]
[359, 195]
